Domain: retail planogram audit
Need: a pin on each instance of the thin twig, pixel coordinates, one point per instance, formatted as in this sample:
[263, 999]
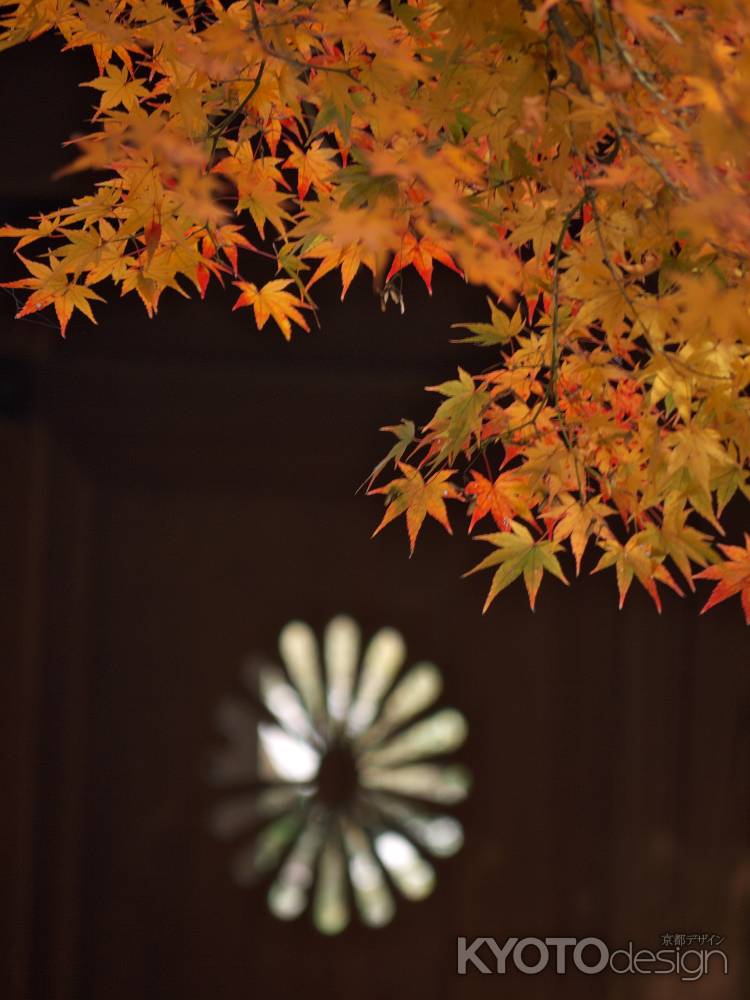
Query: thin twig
[227, 122]
[290, 60]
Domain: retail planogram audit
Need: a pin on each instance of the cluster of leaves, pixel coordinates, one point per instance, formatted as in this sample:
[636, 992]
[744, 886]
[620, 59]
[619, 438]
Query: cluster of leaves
[587, 162]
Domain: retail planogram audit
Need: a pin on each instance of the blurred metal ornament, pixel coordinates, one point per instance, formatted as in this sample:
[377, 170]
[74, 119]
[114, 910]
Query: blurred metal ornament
[323, 778]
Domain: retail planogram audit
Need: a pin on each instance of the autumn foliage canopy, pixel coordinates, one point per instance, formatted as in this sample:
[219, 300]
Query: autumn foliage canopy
[585, 162]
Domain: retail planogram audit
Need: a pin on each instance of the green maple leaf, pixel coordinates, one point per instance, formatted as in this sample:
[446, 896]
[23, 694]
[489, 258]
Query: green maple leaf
[498, 331]
[405, 433]
[519, 553]
[458, 417]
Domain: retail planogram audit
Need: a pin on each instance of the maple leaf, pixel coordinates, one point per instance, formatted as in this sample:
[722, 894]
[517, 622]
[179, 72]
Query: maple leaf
[679, 540]
[421, 254]
[337, 103]
[504, 499]
[727, 484]
[272, 301]
[349, 259]
[47, 225]
[225, 239]
[457, 418]
[696, 454]
[405, 433]
[577, 522]
[416, 497]
[228, 238]
[117, 88]
[52, 287]
[539, 223]
[258, 180]
[635, 558]
[732, 576]
[152, 237]
[314, 165]
[497, 332]
[519, 553]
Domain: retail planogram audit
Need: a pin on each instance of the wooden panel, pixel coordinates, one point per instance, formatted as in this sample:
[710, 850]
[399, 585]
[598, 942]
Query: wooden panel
[194, 511]
[63, 726]
[22, 540]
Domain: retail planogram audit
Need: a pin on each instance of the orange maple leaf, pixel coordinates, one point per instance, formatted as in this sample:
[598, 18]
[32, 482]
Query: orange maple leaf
[421, 254]
[733, 577]
[503, 500]
[227, 238]
[314, 167]
[271, 300]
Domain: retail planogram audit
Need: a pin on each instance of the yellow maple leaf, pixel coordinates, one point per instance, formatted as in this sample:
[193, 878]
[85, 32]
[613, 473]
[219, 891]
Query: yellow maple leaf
[577, 522]
[52, 287]
[349, 259]
[117, 88]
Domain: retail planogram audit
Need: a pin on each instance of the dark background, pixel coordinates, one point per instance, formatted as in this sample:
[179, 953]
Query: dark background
[175, 491]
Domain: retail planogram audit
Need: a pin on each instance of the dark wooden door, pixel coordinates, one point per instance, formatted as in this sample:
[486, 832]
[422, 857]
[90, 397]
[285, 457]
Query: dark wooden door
[175, 511]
